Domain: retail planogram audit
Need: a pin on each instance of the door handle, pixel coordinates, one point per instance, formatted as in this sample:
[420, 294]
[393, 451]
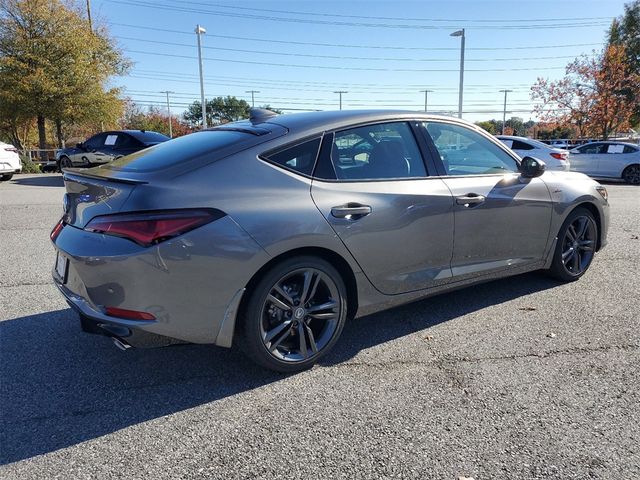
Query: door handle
[470, 199]
[351, 211]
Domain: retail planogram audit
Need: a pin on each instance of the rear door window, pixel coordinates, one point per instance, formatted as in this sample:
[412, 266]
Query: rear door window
[95, 142]
[520, 145]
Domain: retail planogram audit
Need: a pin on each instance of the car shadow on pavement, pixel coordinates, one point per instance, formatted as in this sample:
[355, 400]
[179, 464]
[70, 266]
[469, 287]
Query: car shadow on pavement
[45, 180]
[61, 387]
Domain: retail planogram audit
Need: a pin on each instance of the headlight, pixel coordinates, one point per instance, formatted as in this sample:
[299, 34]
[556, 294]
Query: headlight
[603, 192]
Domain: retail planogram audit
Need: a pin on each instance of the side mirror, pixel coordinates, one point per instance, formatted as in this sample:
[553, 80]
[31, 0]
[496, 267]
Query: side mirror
[532, 167]
[79, 145]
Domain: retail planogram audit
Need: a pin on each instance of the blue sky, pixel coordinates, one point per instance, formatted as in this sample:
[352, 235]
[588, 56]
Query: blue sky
[297, 53]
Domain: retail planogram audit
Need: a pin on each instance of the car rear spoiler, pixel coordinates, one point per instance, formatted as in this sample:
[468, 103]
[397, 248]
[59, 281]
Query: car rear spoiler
[77, 172]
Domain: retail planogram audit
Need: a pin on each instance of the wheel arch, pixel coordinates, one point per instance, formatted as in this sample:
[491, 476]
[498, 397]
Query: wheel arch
[343, 267]
[627, 167]
[596, 214]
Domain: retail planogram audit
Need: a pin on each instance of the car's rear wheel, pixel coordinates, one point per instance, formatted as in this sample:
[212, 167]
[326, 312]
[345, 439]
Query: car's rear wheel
[294, 314]
[576, 246]
[6, 177]
[631, 174]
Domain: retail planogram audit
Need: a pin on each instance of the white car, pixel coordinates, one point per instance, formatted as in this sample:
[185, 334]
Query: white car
[608, 160]
[9, 161]
[554, 158]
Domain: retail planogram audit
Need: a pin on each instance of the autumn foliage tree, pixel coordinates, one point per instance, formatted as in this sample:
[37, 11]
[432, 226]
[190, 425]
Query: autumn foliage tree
[593, 96]
[154, 119]
[54, 67]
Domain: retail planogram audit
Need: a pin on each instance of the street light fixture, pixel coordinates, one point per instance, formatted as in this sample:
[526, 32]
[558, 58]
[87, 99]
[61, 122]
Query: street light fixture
[460, 33]
[504, 110]
[199, 32]
[426, 93]
[253, 103]
[340, 92]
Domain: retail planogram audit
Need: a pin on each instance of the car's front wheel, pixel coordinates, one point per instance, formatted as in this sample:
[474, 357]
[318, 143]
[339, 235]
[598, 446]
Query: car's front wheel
[631, 174]
[294, 314]
[576, 246]
[6, 177]
[65, 162]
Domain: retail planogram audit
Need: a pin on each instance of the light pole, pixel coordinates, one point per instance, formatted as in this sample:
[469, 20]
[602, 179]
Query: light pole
[460, 33]
[426, 93]
[200, 31]
[504, 110]
[340, 92]
[253, 103]
[169, 112]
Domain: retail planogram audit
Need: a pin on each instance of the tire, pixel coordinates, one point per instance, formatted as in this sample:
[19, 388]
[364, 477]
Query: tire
[6, 177]
[281, 332]
[631, 174]
[575, 247]
[65, 162]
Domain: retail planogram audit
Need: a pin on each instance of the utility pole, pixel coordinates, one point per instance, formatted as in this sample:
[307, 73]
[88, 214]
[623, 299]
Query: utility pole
[200, 31]
[89, 15]
[504, 110]
[169, 112]
[426, 93]
[253, 103]
[340, 92]
[460, 33]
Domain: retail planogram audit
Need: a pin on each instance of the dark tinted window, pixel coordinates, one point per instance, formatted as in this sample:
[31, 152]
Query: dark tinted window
[150, 137]
[518, 145]
[376, 152]
[179, 150]
[466, 152]
[630, 149]
[96, 141]
[301, 157]
[126, 141]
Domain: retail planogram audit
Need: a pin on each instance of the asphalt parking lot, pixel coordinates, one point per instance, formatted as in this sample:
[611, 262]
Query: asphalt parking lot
[519, 378]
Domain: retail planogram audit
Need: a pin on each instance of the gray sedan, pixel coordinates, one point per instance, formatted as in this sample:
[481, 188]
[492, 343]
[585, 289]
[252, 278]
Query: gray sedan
[270, 233]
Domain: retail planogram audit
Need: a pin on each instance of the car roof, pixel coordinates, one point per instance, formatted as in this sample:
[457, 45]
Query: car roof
[329, 120]
[513, 137]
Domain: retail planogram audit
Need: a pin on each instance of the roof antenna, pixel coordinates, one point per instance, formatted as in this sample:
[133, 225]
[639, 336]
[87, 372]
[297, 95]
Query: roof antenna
[259, 115]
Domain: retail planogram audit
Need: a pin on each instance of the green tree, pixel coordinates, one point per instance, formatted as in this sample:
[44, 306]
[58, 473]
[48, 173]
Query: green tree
[54, 67]
[625, 32]
[219, 110]
[154, 119]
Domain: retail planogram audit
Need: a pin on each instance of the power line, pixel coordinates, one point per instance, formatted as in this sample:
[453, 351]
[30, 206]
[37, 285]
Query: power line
[352, 68]
[343, 57]
[383, 47]
[218, 13]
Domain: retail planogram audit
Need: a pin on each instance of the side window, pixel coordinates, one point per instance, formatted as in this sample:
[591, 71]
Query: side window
[300, 158]
[518, 145]
[466, 152]
[377, 152]
[615, 148]
[96, 141]
[507, 142]
[592, 148]
[630, 149]
[125, 141]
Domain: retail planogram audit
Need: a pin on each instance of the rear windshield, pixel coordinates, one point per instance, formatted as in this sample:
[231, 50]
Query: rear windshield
[178, 150]
[150, 137]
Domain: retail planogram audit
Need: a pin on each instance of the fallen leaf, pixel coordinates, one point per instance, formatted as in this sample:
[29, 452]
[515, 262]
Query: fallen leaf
[551, 335]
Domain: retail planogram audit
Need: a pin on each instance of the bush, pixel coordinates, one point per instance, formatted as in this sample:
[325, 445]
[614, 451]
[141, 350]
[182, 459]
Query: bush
[28, 166]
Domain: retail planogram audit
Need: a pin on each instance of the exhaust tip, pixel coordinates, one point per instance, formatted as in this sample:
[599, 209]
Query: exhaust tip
[120, 344]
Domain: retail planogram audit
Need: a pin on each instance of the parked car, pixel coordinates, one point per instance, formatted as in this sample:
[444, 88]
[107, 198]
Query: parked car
[105, 147]
[269, 233]
[563, 144]
[554, 158]
[9, 161]
[608, 160]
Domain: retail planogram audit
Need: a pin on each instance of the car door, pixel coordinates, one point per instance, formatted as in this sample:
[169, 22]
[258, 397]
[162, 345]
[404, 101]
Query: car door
[92, 149]
[126, 144]
[613, 160]
[584, 159]
[372, 186]
[501, 219]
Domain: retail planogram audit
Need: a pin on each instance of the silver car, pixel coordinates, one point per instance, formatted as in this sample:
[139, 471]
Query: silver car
[617, 160]
[270, 233]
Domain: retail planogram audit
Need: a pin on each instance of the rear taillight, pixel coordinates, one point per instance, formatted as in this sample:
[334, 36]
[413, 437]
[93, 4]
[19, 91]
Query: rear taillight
[149, 228]
[56, 230]
[560, 155]
[128, 314]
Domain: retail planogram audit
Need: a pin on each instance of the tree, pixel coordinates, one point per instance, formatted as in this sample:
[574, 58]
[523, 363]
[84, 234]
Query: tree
[219, 110]
[154, 119]
[625, 32]
[54, 67]
[593, 95]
